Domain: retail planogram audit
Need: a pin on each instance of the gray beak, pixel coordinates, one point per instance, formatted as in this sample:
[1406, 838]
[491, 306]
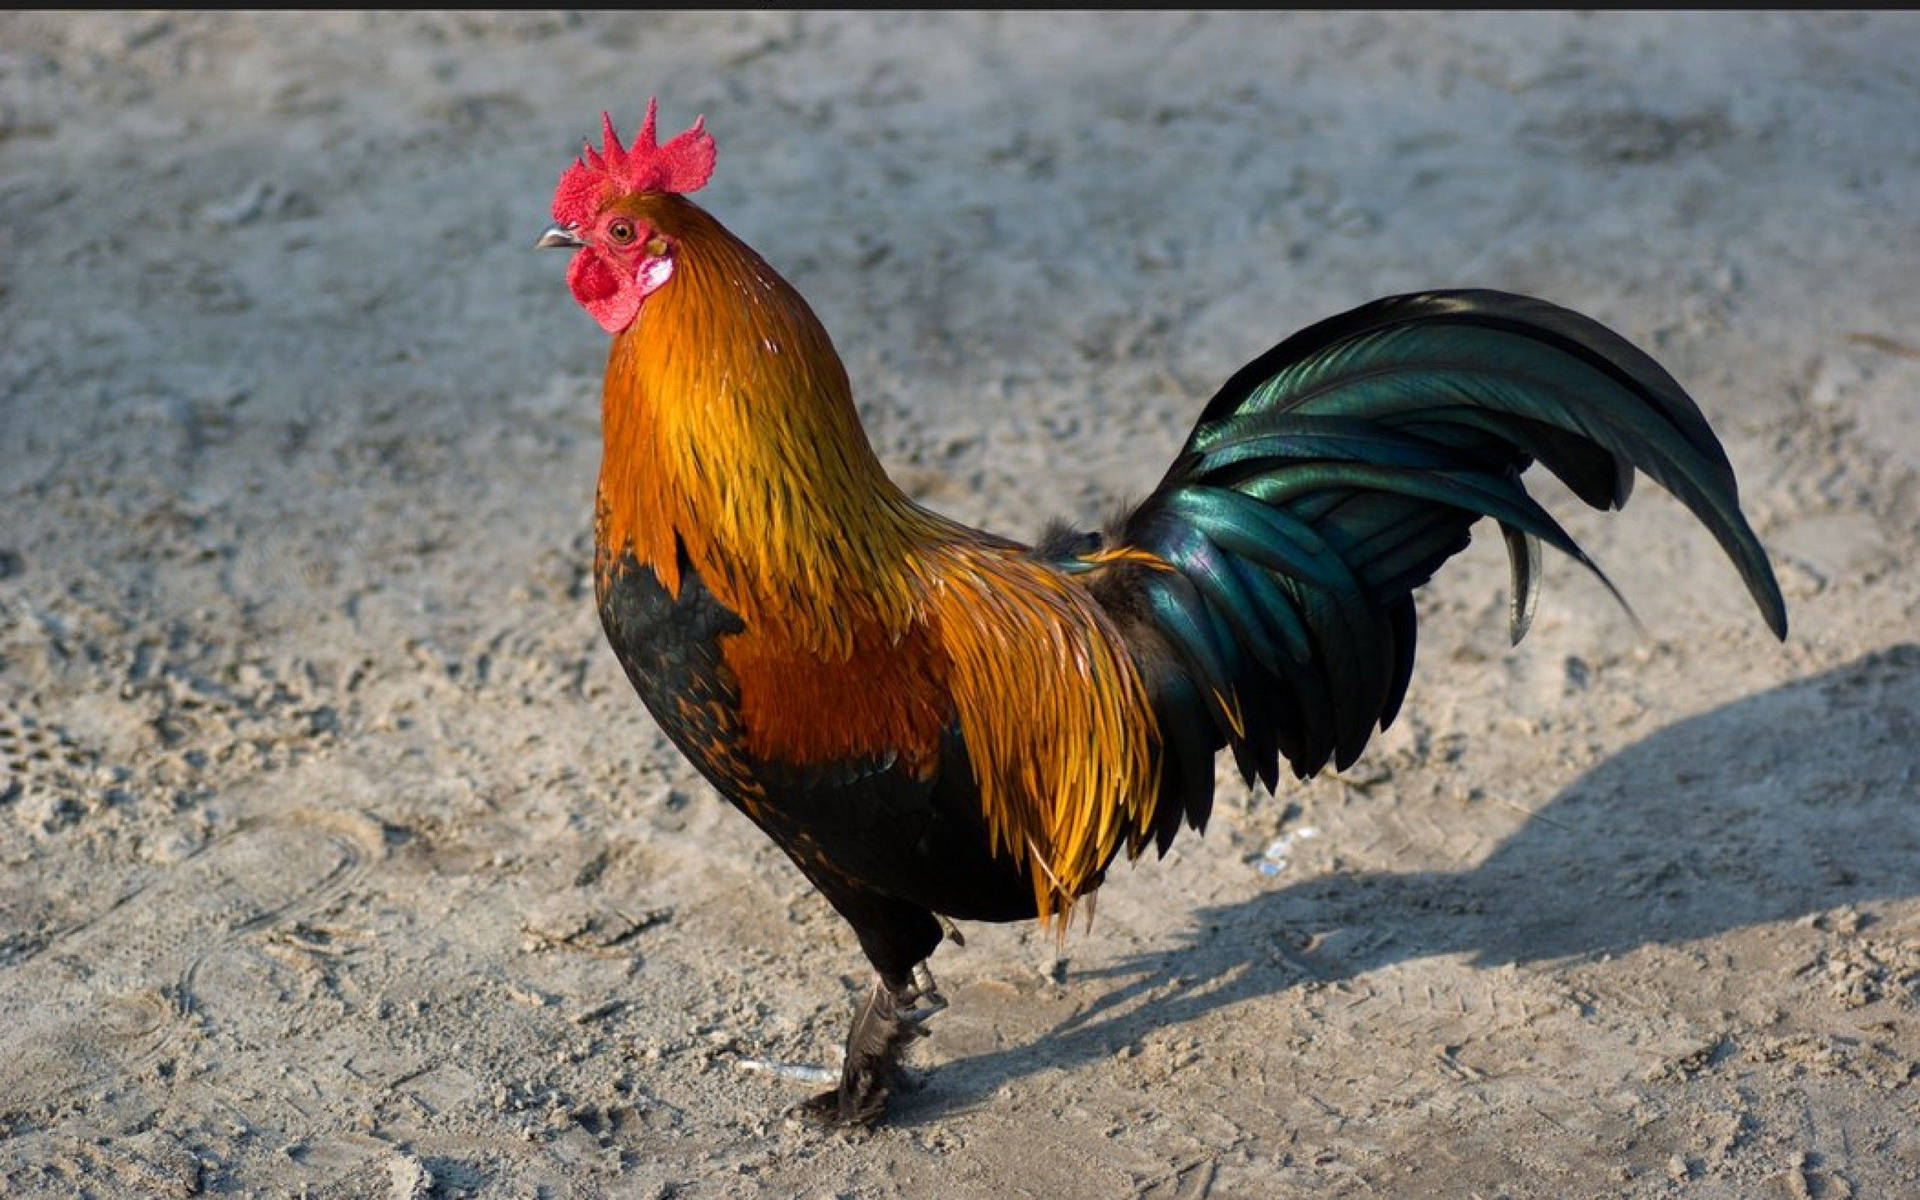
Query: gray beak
[560, 237]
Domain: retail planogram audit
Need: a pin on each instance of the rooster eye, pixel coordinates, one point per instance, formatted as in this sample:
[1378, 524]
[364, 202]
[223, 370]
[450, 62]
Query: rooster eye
[621, 232]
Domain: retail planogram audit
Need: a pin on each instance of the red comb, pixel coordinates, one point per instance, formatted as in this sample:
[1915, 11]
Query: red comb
[682, 165]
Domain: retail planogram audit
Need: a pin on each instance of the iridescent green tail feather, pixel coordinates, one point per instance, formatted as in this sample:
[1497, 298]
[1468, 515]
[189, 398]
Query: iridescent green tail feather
[1335, 473]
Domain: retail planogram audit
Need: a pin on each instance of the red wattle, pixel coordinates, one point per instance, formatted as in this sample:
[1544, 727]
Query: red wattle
[590, 278]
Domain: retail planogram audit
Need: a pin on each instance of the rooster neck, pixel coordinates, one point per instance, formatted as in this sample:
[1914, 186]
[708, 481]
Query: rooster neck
[731, 439]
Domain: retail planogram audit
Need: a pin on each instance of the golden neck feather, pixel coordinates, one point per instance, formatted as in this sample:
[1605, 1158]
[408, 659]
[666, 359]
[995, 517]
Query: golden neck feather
[730, 430]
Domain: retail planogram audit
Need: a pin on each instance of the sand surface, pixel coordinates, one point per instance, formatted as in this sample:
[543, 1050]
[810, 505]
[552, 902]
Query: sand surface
[340, 861]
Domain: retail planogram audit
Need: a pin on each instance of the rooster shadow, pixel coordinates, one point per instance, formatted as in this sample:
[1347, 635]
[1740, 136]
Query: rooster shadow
[1792, 802]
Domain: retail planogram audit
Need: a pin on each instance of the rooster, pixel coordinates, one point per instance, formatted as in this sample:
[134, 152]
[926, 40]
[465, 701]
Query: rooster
[937, 723]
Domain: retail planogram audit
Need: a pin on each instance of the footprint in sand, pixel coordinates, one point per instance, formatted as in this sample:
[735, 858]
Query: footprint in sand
[105, 998]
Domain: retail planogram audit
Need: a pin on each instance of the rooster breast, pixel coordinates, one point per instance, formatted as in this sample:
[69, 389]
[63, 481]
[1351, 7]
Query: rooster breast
[859, 816]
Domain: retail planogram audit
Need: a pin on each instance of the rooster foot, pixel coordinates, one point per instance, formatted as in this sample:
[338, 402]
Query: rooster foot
[888, 1021]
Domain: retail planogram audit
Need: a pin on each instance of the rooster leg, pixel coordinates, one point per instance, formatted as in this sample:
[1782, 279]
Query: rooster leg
[889, 1020]
[897, 938]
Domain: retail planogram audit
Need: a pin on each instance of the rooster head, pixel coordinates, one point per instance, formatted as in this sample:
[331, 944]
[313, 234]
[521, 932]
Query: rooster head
[606, 209]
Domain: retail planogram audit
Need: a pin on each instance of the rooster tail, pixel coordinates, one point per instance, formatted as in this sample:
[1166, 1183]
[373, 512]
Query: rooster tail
[1335, 473]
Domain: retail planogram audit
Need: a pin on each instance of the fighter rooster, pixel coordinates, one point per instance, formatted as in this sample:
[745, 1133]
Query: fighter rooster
[935, 722]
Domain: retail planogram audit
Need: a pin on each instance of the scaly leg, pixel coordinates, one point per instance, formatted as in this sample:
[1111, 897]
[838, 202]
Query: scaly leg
[891, 1018]
[897, 937]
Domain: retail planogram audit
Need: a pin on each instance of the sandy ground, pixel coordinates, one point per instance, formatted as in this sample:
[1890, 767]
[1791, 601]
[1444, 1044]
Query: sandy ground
[339, 860]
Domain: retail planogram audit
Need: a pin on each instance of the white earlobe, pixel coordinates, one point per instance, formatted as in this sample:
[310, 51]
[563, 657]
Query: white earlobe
[652, 273]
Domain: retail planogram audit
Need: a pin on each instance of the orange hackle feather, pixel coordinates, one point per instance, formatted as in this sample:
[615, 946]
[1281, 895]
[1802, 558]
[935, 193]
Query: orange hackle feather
[871, 624]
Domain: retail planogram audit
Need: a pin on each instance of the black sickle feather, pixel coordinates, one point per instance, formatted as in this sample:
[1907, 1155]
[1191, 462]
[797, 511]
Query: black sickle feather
[1335, 473]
